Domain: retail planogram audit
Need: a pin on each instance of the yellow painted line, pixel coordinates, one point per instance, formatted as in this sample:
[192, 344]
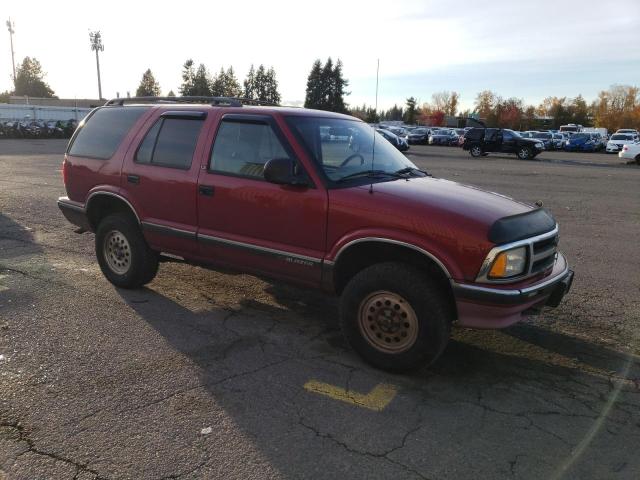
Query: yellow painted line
[377, 399]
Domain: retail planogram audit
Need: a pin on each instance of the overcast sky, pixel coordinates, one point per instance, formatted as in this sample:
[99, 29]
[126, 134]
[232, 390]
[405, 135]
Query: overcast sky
[529, 51]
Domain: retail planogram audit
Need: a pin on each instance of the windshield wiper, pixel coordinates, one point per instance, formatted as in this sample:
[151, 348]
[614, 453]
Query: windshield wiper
[370, 173]
[405, 170]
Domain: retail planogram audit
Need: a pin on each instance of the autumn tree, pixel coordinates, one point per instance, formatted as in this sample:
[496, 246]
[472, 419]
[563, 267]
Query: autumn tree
[30, 80]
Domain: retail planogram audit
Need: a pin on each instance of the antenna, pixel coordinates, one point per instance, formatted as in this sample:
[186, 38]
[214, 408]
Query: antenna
[373, 153]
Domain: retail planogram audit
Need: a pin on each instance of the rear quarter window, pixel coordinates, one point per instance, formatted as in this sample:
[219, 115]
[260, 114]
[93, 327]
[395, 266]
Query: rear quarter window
[104, 131]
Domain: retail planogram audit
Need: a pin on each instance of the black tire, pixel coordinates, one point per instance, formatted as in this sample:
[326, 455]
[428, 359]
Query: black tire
[427, 302]
[139, 263]
[524, 153]
[476, 151]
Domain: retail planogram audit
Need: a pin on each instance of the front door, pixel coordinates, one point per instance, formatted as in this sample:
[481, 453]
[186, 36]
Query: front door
[248, 223]
[509, 144]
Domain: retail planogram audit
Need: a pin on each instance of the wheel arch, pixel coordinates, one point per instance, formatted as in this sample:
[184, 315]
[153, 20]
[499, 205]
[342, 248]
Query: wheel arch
[364, 252]
[101, 203]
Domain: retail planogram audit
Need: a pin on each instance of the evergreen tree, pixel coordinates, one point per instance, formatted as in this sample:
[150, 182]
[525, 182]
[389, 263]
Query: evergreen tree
[202, 83]
[313, 97]
[261, 83]
[337, 90]
[188, 79]
[326, 87]
[148, 86]
[411, 111]
[272, 93]
[225, 84]
[30, 80]
[171, 94]
[250, 85]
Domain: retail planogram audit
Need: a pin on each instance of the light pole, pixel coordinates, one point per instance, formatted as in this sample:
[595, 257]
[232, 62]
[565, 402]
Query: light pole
[10, 26]
[97, 46]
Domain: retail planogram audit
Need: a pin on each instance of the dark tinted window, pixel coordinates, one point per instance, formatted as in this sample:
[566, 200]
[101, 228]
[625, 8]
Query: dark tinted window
[475, 134]
[170, 143]
[104, 131]
[243, 148]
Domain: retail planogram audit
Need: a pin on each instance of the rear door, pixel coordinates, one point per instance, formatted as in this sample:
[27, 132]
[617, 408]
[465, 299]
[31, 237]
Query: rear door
[248, 223]
[509, 142]
[160, 176]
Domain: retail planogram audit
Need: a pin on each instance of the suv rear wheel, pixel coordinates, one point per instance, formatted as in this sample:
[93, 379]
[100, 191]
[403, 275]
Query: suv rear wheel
[524, 153]
[395, 317]
[123, 254]
[476, 151]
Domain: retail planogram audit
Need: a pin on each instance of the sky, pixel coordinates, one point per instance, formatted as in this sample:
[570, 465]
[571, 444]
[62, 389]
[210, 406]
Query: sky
[527, 50]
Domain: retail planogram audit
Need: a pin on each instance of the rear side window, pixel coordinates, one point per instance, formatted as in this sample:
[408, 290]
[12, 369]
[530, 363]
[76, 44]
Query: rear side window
[171, 142]
[104, 131]
[242, 148]
[475, 134]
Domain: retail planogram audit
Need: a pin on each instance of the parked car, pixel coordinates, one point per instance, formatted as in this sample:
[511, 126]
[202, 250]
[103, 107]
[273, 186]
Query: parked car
[546, 138]
[398, 142]
[481, 141]
[419, 136]
[571, 128]
[257, 190]
[400, 132]
[559, 140]
[441, 137]
[631, 131]
[582, 142]
[618, 140]
[630, 151]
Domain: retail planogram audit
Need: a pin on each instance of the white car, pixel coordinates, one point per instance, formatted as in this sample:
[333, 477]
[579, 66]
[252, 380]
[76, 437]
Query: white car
[630, 151]
[617, 140]
[632, 131]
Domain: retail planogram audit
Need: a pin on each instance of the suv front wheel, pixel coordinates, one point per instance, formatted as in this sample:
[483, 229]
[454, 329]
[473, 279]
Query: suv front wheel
[395, 317]
[123, 254]
[524, 153]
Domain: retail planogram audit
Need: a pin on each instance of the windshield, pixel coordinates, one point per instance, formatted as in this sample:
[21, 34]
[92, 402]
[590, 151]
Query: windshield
[341, 158]
[542, 135]
[621, 137]
[513, 132]
[568, 129]
[581, 136]
[419, 131]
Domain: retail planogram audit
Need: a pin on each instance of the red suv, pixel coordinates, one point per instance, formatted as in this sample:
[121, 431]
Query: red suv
[264, 190]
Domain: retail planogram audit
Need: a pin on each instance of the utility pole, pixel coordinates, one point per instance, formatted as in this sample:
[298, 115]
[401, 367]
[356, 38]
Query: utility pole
[96, 44]
[10, 26]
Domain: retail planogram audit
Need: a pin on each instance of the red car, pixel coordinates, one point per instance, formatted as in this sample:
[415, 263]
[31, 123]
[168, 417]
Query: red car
[262, 190]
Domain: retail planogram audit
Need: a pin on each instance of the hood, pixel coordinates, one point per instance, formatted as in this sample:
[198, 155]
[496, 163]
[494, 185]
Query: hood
[531, 141]
[451, 220]
[453, 199]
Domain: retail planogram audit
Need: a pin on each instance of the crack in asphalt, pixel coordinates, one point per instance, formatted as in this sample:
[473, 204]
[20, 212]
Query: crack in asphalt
[31, 448]
[383, 455]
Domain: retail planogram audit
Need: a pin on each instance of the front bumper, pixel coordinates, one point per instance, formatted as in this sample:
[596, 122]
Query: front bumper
[490, 307]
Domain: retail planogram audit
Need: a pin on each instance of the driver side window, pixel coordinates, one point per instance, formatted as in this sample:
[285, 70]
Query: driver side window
[337, 145]
[242, 148]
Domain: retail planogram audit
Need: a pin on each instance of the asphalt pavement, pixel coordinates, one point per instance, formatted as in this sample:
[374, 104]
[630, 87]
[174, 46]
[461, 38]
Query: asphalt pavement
[216, 375]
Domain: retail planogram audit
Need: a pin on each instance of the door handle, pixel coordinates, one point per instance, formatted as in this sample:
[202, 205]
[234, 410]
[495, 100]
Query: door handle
[135, 179]
[206, 190]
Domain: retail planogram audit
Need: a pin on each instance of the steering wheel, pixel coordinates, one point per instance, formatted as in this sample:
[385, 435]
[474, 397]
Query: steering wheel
[351, 157]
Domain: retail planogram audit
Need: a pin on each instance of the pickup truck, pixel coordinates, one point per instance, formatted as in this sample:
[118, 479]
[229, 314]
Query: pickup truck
[482, 141]
[259, 189]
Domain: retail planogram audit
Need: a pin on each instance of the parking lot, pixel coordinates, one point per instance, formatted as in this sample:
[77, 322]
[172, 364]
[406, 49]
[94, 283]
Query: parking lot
[218, 375]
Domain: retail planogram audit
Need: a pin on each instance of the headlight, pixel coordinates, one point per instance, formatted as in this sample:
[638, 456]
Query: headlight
[540, 145]
[509, 264]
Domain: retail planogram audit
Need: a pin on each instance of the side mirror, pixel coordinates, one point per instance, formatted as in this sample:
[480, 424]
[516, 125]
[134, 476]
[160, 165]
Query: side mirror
[282, 172]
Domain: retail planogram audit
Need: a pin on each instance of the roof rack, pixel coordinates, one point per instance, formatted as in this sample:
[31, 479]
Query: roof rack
[215, 101]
